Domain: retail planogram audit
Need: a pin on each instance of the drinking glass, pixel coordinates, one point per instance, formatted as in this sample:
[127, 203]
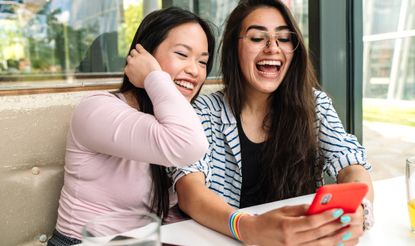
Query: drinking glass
[410, 189]
[128, 228]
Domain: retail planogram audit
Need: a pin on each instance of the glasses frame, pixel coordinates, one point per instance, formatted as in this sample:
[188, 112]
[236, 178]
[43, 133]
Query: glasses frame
[274, 36]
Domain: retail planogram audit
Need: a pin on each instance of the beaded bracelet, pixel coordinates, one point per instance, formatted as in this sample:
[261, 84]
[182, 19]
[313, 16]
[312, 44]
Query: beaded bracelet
[234, 224]
[367, 214]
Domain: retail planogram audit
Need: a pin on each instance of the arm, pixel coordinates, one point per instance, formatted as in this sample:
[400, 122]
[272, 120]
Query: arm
[344, 157]
[282, 226]
[194, 197]
[356, 173]
[172, 136]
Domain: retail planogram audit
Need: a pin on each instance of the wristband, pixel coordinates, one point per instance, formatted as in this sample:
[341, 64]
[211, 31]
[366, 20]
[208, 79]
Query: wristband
[367, 214]
[234, 224]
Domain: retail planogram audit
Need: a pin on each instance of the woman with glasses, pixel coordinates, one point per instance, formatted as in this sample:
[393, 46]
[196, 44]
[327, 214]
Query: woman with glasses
[272, 135]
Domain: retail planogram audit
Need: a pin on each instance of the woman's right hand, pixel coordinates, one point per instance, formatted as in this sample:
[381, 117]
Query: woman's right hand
[291, 226]
[139, 64]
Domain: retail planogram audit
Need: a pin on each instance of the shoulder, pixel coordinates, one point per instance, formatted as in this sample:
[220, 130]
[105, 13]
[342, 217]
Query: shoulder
[323, 102]
[99, 99]
[214, 102]
[98, 103]
[321, 97]
[98, 96]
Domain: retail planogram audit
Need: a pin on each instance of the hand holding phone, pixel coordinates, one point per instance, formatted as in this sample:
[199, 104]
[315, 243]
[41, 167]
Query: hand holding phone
[347, 196]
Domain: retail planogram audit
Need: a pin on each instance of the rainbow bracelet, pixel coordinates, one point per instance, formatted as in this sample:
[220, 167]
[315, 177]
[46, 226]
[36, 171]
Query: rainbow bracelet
[234, 224]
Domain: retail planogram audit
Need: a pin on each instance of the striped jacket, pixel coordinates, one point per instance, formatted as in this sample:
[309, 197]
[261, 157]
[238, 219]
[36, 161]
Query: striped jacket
[222, 163]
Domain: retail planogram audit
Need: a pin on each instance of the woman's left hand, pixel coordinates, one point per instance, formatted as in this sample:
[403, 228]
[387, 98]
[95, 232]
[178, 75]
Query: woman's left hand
[353, 227]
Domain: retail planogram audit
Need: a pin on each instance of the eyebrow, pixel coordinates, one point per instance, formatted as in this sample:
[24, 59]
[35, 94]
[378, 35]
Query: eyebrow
[262, 28]
[190, 48]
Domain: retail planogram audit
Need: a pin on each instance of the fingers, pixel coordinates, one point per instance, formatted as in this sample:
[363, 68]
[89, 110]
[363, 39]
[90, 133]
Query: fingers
[139, 48]
[357, 219]
[351, 242]
[311, 222]
[134, 53]
[320, 232]
[342, 237]
[345, 231]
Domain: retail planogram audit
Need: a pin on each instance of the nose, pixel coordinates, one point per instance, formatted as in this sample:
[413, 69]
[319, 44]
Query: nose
[272, 46]
[192, 68]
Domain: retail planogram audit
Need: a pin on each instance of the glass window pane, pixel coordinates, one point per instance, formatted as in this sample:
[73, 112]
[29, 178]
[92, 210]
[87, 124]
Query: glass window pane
[61, 43]
[389, 85]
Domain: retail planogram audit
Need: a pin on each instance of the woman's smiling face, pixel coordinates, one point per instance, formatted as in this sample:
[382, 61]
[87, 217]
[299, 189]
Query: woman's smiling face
[262, 59]
[184, 55]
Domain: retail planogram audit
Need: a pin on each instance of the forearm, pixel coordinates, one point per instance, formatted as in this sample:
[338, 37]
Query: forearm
[356, 173]
[202, 204]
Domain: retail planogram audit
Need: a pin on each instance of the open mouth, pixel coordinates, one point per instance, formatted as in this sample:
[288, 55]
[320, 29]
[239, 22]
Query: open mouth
[184, 84]
[269, 66]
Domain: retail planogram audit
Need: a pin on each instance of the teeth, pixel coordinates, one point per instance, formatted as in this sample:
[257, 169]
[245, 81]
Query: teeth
[270, 63]
[184, 84]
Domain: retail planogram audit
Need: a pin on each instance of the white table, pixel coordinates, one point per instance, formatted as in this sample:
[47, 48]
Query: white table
[391, 220]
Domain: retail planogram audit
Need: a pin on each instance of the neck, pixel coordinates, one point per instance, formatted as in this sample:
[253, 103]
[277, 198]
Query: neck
[256, 103]
[253, 115]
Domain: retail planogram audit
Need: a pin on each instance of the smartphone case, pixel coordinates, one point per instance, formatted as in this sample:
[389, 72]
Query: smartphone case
[346, 196]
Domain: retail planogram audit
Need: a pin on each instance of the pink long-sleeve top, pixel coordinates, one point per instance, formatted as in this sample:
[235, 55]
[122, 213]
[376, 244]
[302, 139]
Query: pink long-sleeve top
[110, 145]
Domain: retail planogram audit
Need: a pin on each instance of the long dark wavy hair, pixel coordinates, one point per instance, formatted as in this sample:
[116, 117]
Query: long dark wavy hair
[290, 164]
[152, 31]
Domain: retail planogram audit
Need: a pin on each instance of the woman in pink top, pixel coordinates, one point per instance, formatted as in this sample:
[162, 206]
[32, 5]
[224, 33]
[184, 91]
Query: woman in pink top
[119, 143]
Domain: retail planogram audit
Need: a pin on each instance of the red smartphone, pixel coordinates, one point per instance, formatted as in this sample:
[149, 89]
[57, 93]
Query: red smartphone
[346, 196]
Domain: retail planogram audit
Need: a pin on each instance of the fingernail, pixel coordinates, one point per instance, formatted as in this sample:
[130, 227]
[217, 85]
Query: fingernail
[340, 244]
[336, 214]
[345, 219]
[347, 236]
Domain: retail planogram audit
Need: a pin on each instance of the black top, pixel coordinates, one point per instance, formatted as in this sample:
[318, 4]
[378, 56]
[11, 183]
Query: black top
[250, 156]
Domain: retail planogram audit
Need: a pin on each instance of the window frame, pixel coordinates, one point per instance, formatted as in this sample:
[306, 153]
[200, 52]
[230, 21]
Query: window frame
[336, 45]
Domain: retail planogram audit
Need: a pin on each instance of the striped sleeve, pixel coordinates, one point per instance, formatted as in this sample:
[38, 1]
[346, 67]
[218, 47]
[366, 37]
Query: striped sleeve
[203, 164]
[339, 148]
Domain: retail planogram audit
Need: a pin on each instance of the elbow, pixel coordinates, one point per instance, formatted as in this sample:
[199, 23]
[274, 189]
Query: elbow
[191, 193]
[199, 149]
[192, 152]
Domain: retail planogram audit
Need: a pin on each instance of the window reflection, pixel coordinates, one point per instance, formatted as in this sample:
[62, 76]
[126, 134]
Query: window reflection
[60, 43]
[389, 84]
[62, 39]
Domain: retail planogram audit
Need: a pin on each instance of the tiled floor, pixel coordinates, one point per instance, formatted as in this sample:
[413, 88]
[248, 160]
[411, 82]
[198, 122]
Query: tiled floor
[388, 146]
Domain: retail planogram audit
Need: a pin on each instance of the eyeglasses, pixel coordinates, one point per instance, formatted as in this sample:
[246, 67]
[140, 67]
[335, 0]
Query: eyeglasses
[286, 40]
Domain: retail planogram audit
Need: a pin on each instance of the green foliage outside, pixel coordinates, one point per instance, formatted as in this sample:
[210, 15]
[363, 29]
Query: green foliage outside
[384, 111]
[133, 15]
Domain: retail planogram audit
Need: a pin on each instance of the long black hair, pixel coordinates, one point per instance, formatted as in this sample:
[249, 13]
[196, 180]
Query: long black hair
[290, 164]
[152, 31]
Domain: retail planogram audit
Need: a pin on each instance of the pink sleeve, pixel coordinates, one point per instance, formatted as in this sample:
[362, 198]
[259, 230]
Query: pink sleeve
[172, 137]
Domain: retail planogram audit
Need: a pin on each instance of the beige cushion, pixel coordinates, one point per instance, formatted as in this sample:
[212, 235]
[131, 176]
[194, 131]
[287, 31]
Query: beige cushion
[31, 172]
[33, 133]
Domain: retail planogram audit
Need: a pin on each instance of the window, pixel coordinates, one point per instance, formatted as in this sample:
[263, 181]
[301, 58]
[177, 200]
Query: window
[64, 43]
[389, 84]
